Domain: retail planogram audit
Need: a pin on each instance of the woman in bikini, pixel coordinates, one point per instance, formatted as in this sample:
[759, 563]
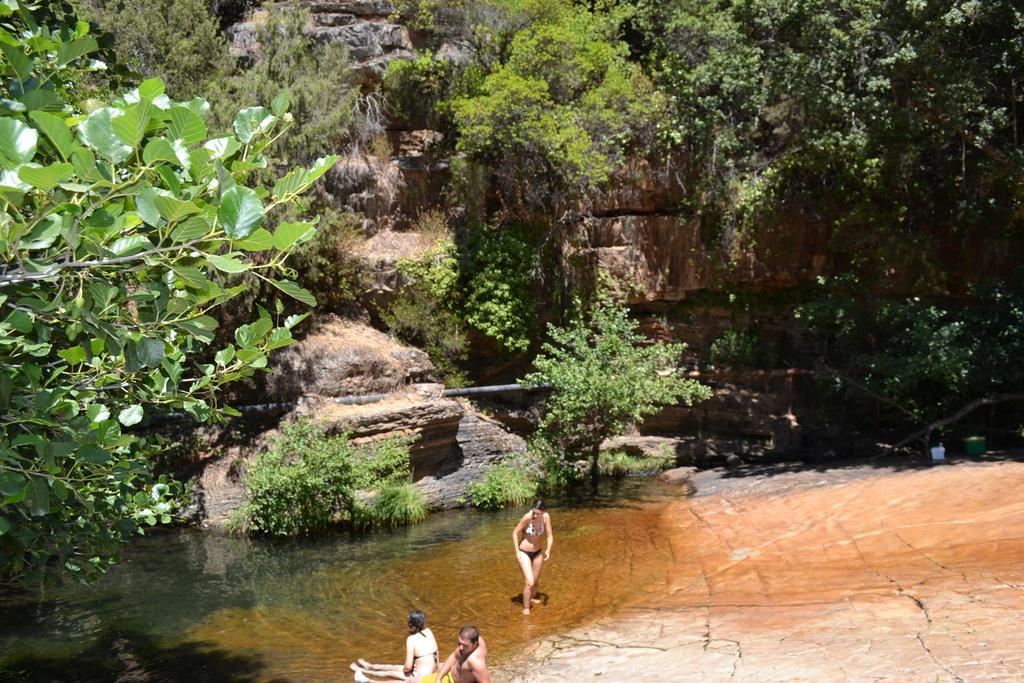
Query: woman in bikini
[534, 525]
[421, 656]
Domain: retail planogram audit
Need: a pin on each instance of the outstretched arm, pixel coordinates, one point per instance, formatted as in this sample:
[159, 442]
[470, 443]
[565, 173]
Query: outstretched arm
[448, 665]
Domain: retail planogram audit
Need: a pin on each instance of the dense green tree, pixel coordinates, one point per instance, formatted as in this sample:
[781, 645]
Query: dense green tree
[934, 362]
[318, 79]
[603, 377]
[177, 41]
[115, 227]
[886, 118]
[558, 111]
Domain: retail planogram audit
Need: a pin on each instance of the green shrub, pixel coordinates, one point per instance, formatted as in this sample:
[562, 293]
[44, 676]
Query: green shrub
[399, 504]
[500, 301]
[382, 463]
[503, 484]
[177, 41]
[424, 311]
[741, 349]
[302, 485]
[621, 464]
[307, 482]
[415, 87]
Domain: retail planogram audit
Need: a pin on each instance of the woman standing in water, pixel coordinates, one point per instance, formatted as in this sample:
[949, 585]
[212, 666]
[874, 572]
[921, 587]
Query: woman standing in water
[534, 525]
[421, 656]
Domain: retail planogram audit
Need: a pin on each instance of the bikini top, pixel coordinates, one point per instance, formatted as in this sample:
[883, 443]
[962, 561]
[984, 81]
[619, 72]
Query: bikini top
[539, 531]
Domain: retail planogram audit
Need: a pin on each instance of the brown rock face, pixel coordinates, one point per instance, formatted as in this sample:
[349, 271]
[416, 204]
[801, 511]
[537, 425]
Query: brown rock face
[914, 576]
[342, 358]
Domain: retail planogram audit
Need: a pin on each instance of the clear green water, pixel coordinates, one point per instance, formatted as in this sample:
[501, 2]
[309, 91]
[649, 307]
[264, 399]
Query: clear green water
[194, 606]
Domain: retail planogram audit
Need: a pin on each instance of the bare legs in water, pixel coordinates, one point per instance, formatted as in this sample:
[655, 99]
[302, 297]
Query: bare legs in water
[390, 672]
[531, 578]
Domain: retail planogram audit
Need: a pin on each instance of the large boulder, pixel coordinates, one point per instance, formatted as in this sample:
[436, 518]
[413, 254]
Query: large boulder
[342, 358]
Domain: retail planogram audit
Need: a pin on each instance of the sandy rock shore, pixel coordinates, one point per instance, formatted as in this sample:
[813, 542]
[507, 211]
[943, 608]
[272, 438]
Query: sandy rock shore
[861, 573]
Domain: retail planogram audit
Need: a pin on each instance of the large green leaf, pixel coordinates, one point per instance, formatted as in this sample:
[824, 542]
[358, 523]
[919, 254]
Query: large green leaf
[20, 62]
[69, 52]
[240, 212]
[54, 128]
[130, 127]
[150, 351]
[38, 498]
[42, 100]
[288, 234]
[130, 244]
[299, 179]
[92, 454]
[259, 240]
[160, 149]
[97, 131]
[17, 142]
[145, 204]
[151, 88]
[186, 125]
[132, 415]
[252, 121]
[43, 235]
[200, 327]
[222, 148]
[171, 208]
[295, 291]
[280, 103]
[228, 263]
[190, 229]
[11, 483]
[46, 178]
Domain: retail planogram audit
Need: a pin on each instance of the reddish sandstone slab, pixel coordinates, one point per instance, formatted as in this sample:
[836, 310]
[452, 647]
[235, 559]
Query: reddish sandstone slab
[909, 576]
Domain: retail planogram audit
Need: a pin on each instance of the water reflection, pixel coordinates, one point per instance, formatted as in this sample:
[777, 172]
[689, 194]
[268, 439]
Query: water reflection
[216, 607]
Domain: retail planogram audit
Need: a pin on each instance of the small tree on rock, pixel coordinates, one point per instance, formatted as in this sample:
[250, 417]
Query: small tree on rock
[604, 376]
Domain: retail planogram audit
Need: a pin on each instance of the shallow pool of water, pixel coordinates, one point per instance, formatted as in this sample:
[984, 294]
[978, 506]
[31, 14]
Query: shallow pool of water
[189, 605]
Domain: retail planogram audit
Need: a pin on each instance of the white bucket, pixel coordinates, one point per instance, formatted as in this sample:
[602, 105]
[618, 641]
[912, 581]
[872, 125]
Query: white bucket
[938, 452]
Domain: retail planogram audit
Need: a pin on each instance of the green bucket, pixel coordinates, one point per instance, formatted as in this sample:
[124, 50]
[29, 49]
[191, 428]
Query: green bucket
[974, 445]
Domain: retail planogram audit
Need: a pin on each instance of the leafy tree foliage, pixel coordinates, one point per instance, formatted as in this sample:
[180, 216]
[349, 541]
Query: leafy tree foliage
[177, 41]
[603, 378]
[317, 78]
[926, 359]
[499, 292]
[559, 109]
[115, 226]
[887, 118]
[426, 309]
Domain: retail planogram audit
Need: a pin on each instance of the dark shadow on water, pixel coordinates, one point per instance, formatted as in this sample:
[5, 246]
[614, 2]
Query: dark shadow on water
[544, 598]
[896, 463]
[135, 657]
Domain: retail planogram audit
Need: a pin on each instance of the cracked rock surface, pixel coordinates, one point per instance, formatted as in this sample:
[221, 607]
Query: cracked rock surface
[902, 576]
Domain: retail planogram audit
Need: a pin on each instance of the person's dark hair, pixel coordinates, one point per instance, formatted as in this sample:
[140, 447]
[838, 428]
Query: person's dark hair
[539, 505]
[417, 620]
[470, 633]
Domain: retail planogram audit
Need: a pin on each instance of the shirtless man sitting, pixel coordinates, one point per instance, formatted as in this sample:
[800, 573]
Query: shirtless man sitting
[468, 663]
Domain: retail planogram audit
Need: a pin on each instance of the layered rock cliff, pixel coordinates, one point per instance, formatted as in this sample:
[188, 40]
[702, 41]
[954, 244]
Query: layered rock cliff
[680, 278]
